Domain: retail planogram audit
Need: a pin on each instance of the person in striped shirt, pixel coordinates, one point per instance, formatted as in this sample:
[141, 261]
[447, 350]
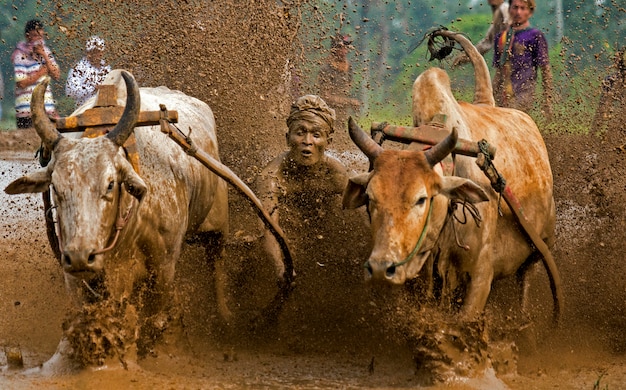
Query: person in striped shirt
[32, 60]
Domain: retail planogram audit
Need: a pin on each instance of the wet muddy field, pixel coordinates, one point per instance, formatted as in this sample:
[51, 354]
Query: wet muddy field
[333, 332]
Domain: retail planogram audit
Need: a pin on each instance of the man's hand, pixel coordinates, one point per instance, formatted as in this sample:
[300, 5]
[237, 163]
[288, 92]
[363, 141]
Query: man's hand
[38, 48]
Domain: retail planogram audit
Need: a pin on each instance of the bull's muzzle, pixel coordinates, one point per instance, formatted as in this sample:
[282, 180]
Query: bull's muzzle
[382, 271]
[75, 261]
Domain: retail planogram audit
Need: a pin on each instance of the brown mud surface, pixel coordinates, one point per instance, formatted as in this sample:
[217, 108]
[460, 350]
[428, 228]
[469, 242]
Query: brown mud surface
[333, 332]
[329, 334]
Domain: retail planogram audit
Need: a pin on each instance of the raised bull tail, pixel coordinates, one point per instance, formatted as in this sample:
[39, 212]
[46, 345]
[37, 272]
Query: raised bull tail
[483, 90]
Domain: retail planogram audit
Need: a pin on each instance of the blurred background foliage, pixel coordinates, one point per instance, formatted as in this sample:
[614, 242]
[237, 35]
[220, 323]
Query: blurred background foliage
[583, 36]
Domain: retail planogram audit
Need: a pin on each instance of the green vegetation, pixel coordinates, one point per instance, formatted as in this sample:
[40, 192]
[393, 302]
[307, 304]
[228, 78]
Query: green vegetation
[383, 32]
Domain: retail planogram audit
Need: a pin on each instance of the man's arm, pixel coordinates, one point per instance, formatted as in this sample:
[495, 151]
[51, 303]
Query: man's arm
[48, 67]
[32, 78]
[50, 63]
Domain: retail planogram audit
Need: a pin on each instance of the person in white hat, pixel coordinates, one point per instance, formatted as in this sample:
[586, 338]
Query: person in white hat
[85, 77]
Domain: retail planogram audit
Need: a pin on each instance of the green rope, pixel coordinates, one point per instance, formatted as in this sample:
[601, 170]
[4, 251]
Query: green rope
[419, 242]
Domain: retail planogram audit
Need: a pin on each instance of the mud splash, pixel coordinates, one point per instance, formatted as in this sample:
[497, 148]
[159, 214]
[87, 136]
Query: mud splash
[101, 331]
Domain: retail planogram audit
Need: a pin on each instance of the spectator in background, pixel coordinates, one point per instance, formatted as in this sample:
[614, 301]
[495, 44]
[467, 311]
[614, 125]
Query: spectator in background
[611, 111]
[335, 82]
[519, 53]
[499, 23]
[86, 76]
[32, 60]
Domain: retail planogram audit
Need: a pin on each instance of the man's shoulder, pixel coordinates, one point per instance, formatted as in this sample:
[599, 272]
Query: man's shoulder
[275, 166]
[334, 164]
[18, 54]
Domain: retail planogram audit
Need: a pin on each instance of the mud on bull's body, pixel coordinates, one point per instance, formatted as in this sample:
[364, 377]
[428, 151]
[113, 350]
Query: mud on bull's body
[93, 184]
[408, 198]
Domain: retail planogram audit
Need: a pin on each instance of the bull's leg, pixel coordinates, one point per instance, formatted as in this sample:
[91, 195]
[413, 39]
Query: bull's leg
[477, 292]
[528, 268]
[215, 250]
[159, 304]
[527, 338]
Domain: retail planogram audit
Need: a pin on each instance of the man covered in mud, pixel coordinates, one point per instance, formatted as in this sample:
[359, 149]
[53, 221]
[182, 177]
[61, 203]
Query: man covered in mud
[304, 177]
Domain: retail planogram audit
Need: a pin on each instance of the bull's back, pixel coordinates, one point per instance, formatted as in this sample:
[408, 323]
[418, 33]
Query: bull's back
[179, 185]
[521, 158]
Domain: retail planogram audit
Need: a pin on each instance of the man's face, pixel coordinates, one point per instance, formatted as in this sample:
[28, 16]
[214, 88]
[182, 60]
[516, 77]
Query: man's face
[95, 56]
[35, 35]
[308, 141]
[519, 12]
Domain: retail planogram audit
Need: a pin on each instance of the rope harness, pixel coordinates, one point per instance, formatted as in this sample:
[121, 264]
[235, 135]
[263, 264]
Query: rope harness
[120, 223]
[500, 183]
[467, 208]
[419, 241]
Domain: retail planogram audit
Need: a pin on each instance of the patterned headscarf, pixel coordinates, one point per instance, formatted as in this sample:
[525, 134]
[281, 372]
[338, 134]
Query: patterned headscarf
[311, 107]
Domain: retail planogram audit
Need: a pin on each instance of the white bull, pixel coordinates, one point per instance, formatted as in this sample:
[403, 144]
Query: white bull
[94, 185]
[415, 224]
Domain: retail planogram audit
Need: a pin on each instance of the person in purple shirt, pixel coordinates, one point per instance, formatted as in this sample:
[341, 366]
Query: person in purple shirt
[519, 53]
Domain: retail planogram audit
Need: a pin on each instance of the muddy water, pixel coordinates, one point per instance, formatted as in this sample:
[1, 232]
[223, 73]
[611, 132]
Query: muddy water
[333, 332]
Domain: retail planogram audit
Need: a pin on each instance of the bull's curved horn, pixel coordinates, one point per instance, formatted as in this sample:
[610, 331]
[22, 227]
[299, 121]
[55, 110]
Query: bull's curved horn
[483, 90]
[125, 126]
[363, 141]
[439, 151]
[46, 130]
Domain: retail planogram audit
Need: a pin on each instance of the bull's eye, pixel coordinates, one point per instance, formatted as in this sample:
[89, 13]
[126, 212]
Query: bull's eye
[111, 186]
[421, 201]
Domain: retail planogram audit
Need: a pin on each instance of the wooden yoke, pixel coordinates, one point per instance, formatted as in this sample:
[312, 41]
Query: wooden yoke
[106, 112]
[426, 135]
[103, 117]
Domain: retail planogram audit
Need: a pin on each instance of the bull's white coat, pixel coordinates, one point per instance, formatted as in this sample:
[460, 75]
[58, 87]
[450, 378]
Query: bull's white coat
[176, 196]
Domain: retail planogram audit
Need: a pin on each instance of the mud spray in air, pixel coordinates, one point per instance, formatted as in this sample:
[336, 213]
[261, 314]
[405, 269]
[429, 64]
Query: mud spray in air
[334, 331]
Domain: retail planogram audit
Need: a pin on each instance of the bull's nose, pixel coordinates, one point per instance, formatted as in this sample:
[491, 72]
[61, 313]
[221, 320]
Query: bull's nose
[380, 270]
[78, 260]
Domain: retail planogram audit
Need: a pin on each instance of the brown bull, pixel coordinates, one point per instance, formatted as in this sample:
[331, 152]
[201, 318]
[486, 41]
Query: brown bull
[97, 191]
[415, 210]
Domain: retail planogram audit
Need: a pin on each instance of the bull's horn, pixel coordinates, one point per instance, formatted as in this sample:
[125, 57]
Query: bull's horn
[483, 90]
[125, 126]
[363, 141]
[439, 151]
[46, 130]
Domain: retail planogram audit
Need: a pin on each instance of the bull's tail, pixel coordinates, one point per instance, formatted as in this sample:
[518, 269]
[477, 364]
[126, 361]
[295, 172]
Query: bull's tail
[483, 90]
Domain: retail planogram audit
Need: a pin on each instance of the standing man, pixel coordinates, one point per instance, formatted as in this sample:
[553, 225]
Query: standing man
[519, 53]
[32, 60]
[84, 79]
[335, 84]
[499, 23]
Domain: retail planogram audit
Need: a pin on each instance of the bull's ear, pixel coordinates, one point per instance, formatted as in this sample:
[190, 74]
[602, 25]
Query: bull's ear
[354, 194]
[134, 184]
[38, 181]
[459, 188]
